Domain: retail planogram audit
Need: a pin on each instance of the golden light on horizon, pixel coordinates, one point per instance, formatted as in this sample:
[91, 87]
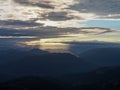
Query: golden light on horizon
[48, 45]
[62, 43]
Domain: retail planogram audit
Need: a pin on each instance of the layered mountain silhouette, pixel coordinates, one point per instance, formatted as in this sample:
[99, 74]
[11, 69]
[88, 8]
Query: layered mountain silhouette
[22, 63]
[29, 83]
[103, 56]
[97, 69]
[100, 79]
[100, 75]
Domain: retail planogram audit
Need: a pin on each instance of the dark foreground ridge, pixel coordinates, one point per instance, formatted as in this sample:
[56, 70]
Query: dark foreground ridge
[102, 79]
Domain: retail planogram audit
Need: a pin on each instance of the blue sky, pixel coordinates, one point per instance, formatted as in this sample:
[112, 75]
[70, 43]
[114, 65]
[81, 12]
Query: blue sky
[113, 24]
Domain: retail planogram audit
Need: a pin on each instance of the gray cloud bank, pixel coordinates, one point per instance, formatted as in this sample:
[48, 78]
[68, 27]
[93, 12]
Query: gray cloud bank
[104, 8]
[38, 3]
[30, 28]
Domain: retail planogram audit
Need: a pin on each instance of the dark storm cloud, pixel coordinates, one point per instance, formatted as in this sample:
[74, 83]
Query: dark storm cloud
[100, 7]
[40, 32]
[28, 23]
[58, 16]
[18, 28]
[42, 4]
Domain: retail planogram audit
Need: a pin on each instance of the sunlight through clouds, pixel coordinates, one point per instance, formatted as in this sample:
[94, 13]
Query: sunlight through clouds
[41, 11]
[51, 23]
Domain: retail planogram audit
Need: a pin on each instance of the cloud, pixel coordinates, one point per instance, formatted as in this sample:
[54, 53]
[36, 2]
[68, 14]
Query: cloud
[41, 10]
[59, 10]
[56, 22]
[51, 10]
[28, 23]
[103, 8]
[58, 16]
[47, 3]
[38, 3]
[30, 28]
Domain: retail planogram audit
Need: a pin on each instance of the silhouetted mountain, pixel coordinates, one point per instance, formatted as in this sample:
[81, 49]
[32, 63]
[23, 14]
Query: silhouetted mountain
[103, 56]
[113, 85]
[29, 83]
[11, 55]
[21, 63]
[100, 78]
[65, 71]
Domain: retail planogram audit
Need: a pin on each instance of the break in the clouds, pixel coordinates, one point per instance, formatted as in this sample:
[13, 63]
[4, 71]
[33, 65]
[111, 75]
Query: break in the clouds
[56, 22]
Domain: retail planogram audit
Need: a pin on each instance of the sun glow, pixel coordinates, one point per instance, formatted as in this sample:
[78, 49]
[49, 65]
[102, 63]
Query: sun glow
[48, 45]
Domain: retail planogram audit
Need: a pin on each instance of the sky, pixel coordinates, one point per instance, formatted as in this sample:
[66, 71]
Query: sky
[59, 25]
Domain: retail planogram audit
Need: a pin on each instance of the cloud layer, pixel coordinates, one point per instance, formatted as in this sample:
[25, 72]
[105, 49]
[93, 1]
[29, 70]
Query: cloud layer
[62, 8]
[58, 21]
[60, 13]
[103, 8]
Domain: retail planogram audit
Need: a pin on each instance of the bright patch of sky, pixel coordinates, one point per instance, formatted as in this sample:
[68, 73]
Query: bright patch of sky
[113, 24]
